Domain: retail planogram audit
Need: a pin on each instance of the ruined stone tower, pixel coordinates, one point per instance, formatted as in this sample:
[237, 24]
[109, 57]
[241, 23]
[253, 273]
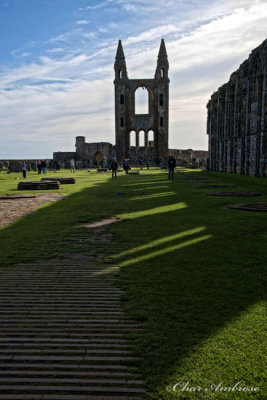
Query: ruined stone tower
[153, 125]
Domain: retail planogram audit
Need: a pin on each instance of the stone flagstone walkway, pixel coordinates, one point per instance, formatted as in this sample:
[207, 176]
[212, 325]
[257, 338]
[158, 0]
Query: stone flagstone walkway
[63, 334]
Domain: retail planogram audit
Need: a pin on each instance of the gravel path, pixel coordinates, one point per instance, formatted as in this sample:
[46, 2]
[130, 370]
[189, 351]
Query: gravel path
[13, 207]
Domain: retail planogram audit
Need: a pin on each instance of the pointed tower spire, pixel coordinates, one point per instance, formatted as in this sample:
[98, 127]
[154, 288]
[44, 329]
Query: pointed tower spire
[120, 63]
[120, 54]
[162, 64]
[162, 51]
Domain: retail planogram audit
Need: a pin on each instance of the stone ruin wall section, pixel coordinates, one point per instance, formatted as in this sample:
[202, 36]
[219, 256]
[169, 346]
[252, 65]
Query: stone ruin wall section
[237, 119]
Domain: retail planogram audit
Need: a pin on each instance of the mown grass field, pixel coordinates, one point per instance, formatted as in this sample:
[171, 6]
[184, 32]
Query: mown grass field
[193, 271]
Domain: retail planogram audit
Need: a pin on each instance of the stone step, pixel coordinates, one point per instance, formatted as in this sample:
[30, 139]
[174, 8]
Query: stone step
[69, 335]
[71, 381]
[107, 359]
[64, 341]
[100, 368]
[125, 322]
[64, 335]
[65, 397]
[29, 313]
[46, 345]
[90, 389]
[62, 351]
[96, 308]
[58, 295]
[73, 373]
[104, 284]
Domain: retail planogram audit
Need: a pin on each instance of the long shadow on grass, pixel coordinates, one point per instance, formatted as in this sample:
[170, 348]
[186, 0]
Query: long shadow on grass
[193, 270]
[188, 266]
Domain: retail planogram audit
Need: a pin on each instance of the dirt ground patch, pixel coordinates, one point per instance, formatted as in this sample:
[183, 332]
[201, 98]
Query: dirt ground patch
[14, 206]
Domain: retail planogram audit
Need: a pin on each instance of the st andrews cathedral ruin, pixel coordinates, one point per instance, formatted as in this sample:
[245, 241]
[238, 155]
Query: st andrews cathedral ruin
[236, 123]
[237, 119]
[154, 123]
[138, 135]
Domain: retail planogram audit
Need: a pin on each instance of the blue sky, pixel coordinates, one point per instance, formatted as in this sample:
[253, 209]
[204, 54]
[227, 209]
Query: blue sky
[57, 56]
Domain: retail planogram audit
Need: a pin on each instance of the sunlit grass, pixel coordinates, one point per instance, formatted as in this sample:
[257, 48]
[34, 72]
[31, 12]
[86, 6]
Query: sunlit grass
[163, 251]
[152, 196]
[145, 183]
[158, 242]
[142, 189]
[153, 211]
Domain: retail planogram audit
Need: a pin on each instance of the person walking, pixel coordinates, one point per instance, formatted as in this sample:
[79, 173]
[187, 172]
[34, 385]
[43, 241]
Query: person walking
[147, 164]
[114, 167]
[72, 165]
[141, 163]
[43, 166]
[24, 169]
[38, 165]
[125, 166]
[171, 165]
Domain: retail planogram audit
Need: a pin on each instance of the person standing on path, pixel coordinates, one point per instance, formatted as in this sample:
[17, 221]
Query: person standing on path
[171, 165]
[114, 167]
[24, 169]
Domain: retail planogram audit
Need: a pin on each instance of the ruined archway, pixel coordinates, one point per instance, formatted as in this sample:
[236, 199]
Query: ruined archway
[141, 100]
[98, 158]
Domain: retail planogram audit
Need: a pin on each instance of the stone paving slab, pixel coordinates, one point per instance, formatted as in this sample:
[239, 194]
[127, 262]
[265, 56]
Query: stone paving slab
[63, 334]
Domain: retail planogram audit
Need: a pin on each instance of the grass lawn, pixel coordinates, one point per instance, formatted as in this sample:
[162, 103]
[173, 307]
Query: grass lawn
[192, 270]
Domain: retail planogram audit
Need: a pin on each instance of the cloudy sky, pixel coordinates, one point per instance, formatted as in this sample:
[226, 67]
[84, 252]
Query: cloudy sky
[57, 56]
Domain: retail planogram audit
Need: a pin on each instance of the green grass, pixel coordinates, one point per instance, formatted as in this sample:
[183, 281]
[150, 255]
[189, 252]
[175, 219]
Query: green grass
[192, 271]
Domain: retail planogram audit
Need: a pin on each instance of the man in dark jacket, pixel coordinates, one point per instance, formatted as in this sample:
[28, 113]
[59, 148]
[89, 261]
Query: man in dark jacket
[171, 165]
[114, 167]
[43, 166]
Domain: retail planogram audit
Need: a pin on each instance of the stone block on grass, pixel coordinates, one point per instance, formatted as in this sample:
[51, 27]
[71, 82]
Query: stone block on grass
[35, 185]
[63, 181]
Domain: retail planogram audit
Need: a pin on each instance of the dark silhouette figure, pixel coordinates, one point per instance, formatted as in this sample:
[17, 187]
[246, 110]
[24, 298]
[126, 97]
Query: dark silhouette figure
[114, 167]
[171, 165]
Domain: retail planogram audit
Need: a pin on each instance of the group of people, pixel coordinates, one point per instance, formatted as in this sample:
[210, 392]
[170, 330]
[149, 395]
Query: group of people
[114, 165]
[40, 166]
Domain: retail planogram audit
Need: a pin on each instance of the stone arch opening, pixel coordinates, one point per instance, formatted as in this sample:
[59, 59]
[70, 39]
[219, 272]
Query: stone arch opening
[132, 139]
[150, 138]
[98, 158]
[141, 97]
[141, 138]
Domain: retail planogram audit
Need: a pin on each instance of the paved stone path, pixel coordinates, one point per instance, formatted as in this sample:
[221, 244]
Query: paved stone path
[21, 205]
[63, 334]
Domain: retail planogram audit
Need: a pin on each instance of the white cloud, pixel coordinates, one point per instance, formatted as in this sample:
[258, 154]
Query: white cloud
[97, 6]
[53, 99]
[82, 22]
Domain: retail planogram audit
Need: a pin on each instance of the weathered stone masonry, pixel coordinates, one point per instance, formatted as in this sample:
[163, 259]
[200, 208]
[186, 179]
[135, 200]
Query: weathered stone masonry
[237, 119]
[157, 118]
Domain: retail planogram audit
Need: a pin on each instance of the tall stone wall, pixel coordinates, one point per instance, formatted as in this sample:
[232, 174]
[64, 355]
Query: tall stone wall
[237, 119]
[155, 121]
